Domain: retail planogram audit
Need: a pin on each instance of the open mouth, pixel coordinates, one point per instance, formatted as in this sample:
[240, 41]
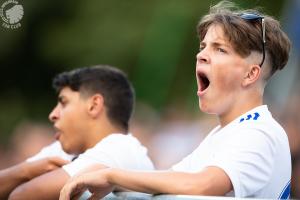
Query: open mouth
[57, 133]
[203, 81]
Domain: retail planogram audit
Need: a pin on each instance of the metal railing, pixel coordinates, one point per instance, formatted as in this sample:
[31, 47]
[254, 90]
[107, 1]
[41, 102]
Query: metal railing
[143, 196]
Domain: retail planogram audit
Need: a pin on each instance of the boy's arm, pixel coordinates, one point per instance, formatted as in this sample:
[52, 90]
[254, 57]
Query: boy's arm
[46, 186]
[210, 181]
[12, 177]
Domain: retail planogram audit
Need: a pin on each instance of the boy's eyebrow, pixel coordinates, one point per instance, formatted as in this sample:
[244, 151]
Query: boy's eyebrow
[216, 44]
[220, 44]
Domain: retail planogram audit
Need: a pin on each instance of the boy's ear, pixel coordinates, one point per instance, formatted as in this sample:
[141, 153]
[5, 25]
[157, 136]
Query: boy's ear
[251, 75]
[96, 105]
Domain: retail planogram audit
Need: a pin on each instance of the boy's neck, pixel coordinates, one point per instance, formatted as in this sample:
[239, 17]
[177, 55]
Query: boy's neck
[99, 131]
[239, 108]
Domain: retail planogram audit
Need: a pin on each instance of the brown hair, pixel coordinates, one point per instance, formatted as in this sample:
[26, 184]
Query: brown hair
[245, 35]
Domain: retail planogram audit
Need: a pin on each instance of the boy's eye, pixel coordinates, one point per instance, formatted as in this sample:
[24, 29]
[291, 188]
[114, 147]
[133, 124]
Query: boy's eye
[63, 102]
[221, 50]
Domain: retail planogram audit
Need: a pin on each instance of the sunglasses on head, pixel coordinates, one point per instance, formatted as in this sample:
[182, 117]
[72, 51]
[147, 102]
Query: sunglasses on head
[252, 17]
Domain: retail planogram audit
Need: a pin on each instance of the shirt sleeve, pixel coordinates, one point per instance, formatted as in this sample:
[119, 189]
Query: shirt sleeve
[247, 158]
[116, 150]
[51, 150]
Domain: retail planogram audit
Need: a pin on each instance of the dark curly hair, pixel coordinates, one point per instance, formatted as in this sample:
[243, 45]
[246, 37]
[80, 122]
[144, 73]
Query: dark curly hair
[108, 81]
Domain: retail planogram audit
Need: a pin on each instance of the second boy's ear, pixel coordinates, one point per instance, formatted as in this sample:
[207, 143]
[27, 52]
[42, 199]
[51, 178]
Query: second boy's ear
[95, 105]
[251, 75]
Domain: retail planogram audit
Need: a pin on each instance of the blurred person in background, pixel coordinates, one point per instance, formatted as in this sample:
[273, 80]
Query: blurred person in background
[248, 154]
[179, 134]
[91, 120]
[28, 138]
[291, 122]
[21, 141]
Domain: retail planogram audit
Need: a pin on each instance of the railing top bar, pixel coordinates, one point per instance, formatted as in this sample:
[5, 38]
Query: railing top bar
[144, 196]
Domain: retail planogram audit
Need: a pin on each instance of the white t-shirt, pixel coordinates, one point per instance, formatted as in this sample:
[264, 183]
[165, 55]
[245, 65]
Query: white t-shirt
[54, 149]
[116, 150]
[254, 152]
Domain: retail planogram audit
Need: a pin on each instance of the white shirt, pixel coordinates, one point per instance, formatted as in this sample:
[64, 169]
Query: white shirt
[116, 150]
[54, 149]
[253, 150]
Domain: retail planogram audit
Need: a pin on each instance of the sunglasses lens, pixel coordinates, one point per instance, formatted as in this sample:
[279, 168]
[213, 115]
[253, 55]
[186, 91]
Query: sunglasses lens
[250, 16]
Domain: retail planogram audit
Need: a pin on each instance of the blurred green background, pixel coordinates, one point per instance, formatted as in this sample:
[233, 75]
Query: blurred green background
[155, 42]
